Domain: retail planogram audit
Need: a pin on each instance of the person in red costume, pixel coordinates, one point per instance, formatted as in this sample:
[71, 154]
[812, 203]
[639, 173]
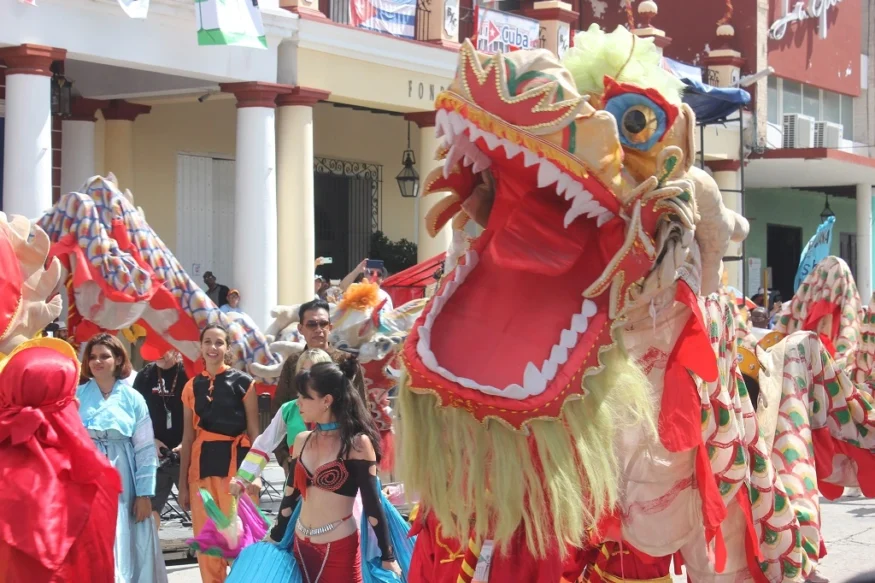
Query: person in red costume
[441, 559]
[58, 503]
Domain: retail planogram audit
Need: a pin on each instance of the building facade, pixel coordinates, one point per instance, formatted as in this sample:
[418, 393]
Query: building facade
[250, 163]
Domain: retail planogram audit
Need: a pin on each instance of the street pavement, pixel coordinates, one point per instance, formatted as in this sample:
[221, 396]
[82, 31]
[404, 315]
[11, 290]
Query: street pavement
[848, 526]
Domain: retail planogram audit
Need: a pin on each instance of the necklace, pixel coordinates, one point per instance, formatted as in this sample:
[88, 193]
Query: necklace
[162, 385]
[327, 426]
[105, 394]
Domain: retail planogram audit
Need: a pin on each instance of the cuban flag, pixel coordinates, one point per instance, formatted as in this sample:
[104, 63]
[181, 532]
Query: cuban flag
[395, 17]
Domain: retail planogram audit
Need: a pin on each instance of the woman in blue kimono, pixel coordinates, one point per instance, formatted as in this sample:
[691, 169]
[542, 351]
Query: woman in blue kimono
[117, 419]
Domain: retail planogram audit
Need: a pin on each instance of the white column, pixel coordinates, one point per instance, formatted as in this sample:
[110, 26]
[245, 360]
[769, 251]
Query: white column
[27, 157]
[296, 221]
[255, 221]
[729, 181]
[864, 241]
[118, 137]
[427, 246]
[77, 153]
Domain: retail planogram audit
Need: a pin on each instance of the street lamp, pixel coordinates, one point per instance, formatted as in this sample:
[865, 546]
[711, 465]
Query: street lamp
[408, 178]
[62, 92]
[826, 212]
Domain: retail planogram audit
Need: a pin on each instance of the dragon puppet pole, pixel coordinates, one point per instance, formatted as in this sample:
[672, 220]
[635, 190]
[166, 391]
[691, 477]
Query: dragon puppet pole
[469, 562]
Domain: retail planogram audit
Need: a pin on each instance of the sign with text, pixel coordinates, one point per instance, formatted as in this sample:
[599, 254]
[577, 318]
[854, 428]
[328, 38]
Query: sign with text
[502, 32]
[817, 42]
[803, 11]
[815, 251]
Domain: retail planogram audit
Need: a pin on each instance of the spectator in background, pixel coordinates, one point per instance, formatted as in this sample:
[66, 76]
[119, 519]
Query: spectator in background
[217, 292]
[161, 383]
[233, 304]
[314, 325]
[320, 286]
[360, 273]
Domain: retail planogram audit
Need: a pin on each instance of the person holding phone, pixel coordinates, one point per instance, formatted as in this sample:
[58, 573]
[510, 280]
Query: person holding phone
[374, 270]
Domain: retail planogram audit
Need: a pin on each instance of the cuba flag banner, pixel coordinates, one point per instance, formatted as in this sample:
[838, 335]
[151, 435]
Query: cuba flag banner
[815, 251]
[395, 17]
[230, 22]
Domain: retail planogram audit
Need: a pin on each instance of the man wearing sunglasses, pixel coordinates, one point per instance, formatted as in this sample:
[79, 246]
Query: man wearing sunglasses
[314, 324]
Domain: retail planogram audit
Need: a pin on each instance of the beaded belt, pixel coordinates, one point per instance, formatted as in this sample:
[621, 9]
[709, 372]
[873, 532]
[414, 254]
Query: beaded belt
[307, 531]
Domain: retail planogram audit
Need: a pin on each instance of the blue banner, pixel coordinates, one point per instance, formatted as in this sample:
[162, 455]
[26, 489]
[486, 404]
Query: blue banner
[814, 252]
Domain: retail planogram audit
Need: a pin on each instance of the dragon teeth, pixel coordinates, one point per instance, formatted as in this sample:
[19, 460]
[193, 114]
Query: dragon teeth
[604, 218]
[588, 309]
[547, 174]
[492, 141]
[533, 380]
[529, 158]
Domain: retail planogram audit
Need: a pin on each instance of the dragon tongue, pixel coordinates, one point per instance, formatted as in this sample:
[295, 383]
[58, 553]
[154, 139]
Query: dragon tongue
[533, 239]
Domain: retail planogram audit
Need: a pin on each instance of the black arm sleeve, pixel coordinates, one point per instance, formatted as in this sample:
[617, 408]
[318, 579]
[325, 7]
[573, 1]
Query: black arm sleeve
[365, 474]
[287, 506]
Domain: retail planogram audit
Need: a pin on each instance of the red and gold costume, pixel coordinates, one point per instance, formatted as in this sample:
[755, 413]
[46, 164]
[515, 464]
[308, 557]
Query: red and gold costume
[59, 498]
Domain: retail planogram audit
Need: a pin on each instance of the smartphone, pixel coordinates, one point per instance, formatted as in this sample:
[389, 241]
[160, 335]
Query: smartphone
[327, 260]
[374, 264]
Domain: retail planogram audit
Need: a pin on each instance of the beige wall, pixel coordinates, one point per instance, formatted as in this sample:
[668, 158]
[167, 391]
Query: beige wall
[361, 136]
[170, 129]
[210, 128]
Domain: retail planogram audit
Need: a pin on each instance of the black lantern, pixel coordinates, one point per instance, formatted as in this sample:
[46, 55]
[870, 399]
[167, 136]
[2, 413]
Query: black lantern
[62, 92]
[826, 212]
[408, 178]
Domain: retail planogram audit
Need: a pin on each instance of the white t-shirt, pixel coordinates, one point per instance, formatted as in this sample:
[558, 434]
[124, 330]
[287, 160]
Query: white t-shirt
[384, 295]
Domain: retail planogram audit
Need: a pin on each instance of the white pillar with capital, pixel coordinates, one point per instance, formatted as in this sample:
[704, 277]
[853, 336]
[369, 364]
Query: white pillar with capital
[120, 116]
[864, 242]
[426, 245]
[77, 145]
[296, 220]
[27, 157]
[728, 178]
[255, 208]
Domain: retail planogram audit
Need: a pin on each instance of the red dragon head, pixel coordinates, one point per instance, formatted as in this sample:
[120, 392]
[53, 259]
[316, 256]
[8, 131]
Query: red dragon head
[567, 235]
[516, 371]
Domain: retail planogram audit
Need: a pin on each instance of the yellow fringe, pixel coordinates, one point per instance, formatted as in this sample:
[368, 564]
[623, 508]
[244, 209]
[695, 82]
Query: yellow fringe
[485, 481]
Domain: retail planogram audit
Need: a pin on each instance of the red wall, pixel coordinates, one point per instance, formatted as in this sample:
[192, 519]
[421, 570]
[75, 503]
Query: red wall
[803, 56]
[690, 24]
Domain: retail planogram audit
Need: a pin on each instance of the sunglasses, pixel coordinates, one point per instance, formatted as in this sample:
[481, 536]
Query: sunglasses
[313, 324]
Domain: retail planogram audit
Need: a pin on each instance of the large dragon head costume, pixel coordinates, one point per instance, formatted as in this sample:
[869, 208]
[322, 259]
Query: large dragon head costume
[516, 380]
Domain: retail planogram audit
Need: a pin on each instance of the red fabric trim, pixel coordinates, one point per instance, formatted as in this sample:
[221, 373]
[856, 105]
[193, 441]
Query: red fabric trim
[754, 553]
[820, 309]
[300, 481]
[680, 415]
[827, 343]
[261, 453]
[825, 448]
[713, 509]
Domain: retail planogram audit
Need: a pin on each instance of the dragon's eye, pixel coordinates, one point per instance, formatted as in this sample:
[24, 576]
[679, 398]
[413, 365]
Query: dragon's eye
[641, 121]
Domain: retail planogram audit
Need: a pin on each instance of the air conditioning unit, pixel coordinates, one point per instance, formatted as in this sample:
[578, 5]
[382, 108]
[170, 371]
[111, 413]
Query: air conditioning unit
[798, 131]
[828, 134]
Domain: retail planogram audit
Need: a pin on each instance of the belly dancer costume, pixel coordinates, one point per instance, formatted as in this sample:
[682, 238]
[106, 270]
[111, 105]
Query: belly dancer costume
[297, 558]
[220, 444]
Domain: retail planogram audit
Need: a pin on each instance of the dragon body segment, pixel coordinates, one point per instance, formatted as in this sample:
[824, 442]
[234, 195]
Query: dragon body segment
[119, 273]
